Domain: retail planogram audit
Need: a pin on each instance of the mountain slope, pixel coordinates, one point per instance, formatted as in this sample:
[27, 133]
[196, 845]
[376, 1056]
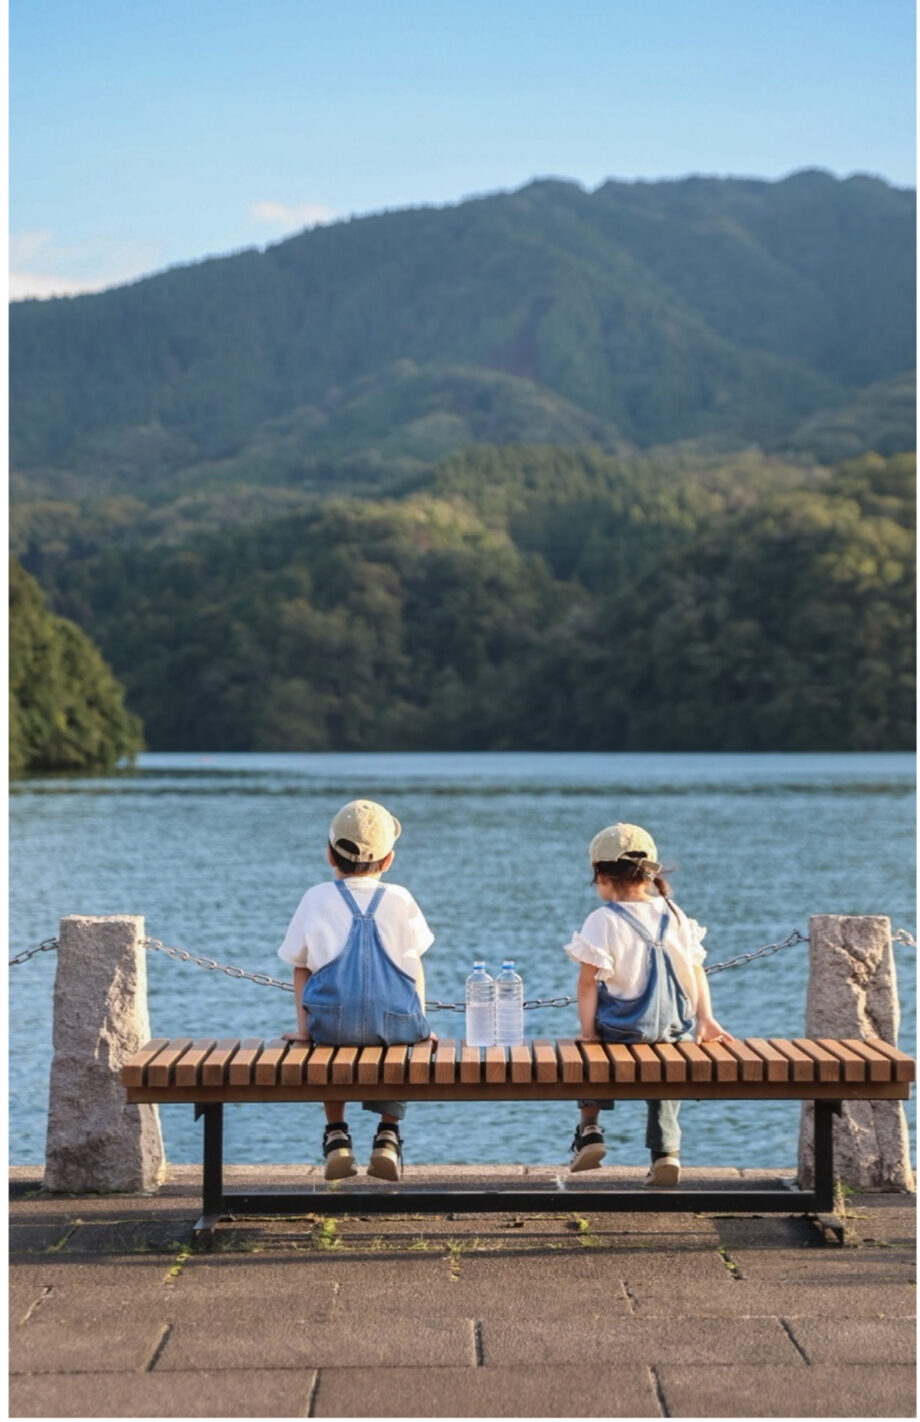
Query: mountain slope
[653, 312]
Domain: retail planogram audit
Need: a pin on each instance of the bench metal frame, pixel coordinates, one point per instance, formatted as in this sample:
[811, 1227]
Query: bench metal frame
[218, 1205]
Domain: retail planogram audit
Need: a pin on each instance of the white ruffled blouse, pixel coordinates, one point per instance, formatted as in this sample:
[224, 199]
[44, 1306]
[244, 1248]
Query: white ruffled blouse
[612, 945]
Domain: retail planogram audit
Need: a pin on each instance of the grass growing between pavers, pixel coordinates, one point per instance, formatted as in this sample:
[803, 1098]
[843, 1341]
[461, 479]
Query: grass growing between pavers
[73, 1226]
[729, 1262]
[586, 1237]
[182, 1258]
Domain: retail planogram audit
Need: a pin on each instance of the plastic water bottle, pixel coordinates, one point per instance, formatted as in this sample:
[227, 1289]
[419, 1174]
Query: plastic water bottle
[509, 1007]
[480, 1007]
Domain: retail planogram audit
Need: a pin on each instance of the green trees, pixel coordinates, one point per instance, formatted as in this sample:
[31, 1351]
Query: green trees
[66, 709]
[529, 598]
[640, 313]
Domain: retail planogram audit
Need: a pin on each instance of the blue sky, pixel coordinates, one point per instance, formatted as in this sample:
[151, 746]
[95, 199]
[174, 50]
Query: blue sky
[144, 133]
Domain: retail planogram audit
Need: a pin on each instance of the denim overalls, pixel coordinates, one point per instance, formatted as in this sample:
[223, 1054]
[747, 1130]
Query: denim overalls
[361, 998]
[661, 1013]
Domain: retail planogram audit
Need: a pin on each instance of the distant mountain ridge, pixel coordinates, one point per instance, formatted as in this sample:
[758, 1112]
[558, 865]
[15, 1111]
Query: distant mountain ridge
[635, 315]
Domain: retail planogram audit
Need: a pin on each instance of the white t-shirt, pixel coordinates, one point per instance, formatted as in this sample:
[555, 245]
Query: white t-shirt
[319, 929]
[613, 946]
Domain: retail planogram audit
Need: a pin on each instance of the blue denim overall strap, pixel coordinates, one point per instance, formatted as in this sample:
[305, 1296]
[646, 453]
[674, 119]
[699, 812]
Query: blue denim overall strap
[361, 998]
[661, 1012]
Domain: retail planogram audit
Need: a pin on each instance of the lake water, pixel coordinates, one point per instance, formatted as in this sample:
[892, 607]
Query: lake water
[215, 851]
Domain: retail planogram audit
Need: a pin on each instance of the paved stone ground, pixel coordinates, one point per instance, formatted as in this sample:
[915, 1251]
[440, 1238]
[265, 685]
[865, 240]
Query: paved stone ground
[545, 1315]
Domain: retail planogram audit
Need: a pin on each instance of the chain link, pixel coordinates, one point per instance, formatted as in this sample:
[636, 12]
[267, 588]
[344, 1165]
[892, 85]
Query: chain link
[902, 935]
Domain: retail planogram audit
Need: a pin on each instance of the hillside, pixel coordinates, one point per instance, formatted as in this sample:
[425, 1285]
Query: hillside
[353, 354]
[526, 598]
[66, 709]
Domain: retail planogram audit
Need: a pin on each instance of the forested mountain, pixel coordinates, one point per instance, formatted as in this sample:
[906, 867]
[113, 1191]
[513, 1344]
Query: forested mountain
[635, 315]
[530, 598]
[547, 469]
[66, 709]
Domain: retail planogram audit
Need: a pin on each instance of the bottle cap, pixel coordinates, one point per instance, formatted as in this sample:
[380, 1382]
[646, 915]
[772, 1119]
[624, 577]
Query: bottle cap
[507, 962]
[479, 962]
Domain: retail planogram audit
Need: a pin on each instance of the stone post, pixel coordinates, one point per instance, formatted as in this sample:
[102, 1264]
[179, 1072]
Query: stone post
[96, 1141]
[853, 992]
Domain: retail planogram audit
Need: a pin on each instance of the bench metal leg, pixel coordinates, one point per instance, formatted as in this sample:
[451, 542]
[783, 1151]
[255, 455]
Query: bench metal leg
[212, 1201]
[825, 1111]
[825, 1183]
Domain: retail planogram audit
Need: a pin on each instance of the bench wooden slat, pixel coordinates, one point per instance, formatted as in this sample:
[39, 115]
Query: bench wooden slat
[270, 1059]
[622, 1061]
[829, 1068]
[496, 1064]
[369, 1061]
[521, 1063]
[445, 1061]
[240, 1073]
[571, 1066]
[161, 1071]
[777, 1066]
[318, 1064]
[343, 1065]
[469, 1063]
[879, 1066]
[801, 1065]
[753, 1067]
[675, 1068]
[215, 1065]
[647, 1060]
[133, 1069]
[904, 1065]
[597, 1061]
[293, 1065]
[726, 1066]
[544, 1057]
[854, 1067]
[420, 1062]
[394, 1065]
[700, 1066]
[189, 1066]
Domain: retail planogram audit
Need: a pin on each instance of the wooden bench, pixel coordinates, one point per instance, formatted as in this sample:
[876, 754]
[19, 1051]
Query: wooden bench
[209, 1073]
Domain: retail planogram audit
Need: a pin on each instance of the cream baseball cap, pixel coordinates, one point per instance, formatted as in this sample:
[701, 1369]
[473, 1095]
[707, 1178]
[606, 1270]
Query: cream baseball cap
[624, 842]
[364, 831]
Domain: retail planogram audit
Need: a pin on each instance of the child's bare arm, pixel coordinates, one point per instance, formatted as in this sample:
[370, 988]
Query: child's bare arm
[586, 995]
[301, 978]
[707, 1028]
[420, 989]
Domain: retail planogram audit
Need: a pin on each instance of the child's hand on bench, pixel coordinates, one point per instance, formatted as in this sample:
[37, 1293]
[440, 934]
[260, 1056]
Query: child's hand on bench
[708, 1030]
[297, 1036]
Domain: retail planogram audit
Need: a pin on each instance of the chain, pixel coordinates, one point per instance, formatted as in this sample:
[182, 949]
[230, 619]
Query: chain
[181, 956]
[27, 953]
[533, 1002]
[900, 935]
[767, 951]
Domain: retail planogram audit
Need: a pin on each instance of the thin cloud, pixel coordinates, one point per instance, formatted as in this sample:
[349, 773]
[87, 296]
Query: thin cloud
[42, 267]
[288, 215]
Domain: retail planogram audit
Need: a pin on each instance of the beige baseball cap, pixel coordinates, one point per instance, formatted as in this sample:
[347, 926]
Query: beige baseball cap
[364, 831]
[624, 842]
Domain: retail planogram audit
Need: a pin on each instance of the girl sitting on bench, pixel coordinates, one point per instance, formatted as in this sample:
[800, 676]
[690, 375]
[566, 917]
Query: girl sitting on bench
[641, 980]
